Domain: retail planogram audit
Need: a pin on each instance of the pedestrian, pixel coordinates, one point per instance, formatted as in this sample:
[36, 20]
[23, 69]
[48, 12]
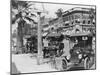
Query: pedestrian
[66, 49]
[27, 46]
[45, 43]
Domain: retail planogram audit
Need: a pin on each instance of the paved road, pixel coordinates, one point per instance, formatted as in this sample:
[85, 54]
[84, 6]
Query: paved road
[75, 68]
[27, 64]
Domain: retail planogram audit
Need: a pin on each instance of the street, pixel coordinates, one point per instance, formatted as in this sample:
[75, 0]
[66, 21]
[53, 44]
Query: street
[56, 39]
[25, 63]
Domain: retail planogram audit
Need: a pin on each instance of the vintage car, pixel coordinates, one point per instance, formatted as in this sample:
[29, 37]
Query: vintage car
[82, 54]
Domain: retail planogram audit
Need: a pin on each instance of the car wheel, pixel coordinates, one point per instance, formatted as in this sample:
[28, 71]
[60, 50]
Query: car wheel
[86, 63]
[64, 65]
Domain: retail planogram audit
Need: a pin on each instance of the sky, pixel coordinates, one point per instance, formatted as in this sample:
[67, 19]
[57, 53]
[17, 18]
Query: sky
[52, 8]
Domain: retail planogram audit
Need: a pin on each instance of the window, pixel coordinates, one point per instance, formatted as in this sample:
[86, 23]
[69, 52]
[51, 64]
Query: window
[52, 28]
[78, 21]
[75, 21]
[84, 29]
[93, 23]
[69, 17]
[67, 24]
[83, 21]
[72, 23]
[65, 18]
[85, 16]
[88, 22]
[77, 16]
[72, 17]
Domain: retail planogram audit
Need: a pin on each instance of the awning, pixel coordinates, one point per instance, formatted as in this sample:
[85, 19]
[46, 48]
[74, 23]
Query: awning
[54, 35]
[27, 36]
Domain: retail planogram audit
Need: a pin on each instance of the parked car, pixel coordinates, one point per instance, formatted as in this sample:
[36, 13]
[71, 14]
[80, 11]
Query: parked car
[82, 54]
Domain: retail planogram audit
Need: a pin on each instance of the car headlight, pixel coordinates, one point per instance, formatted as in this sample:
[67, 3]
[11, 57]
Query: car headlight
[77, 52]
[68, 57]
[80, 56]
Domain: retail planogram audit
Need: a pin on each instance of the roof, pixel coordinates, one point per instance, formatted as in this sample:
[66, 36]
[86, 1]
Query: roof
[53, 20]
[77, 9]
[80, 34]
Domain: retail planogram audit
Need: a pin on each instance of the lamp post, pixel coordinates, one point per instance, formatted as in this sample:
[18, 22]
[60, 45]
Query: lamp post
[40, 53]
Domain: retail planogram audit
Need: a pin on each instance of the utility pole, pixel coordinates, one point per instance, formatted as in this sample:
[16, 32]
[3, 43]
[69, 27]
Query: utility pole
[40, 52]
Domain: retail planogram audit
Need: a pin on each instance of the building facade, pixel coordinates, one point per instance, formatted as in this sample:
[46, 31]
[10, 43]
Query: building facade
[79, 18]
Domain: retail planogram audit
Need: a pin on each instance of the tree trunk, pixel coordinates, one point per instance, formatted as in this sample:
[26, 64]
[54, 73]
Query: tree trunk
[20, 36]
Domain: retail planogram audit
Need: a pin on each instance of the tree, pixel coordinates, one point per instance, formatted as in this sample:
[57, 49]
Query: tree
[59, 12]
[21, 17]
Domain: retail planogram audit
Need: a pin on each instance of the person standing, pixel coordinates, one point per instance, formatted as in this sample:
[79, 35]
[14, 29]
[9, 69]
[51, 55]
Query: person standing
[45, 43]
[66, 49]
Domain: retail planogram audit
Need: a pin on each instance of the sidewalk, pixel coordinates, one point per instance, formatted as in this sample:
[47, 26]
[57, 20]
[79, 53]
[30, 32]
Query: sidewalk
[26, 64]
[14, 69]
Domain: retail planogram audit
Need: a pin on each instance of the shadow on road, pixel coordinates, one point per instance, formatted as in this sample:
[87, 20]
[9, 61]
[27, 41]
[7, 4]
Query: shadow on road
[76, 68]
[14, 70]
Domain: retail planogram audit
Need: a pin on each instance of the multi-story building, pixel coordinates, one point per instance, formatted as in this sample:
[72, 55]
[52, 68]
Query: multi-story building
[79, 18]
[55, 24]
[45, 26]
